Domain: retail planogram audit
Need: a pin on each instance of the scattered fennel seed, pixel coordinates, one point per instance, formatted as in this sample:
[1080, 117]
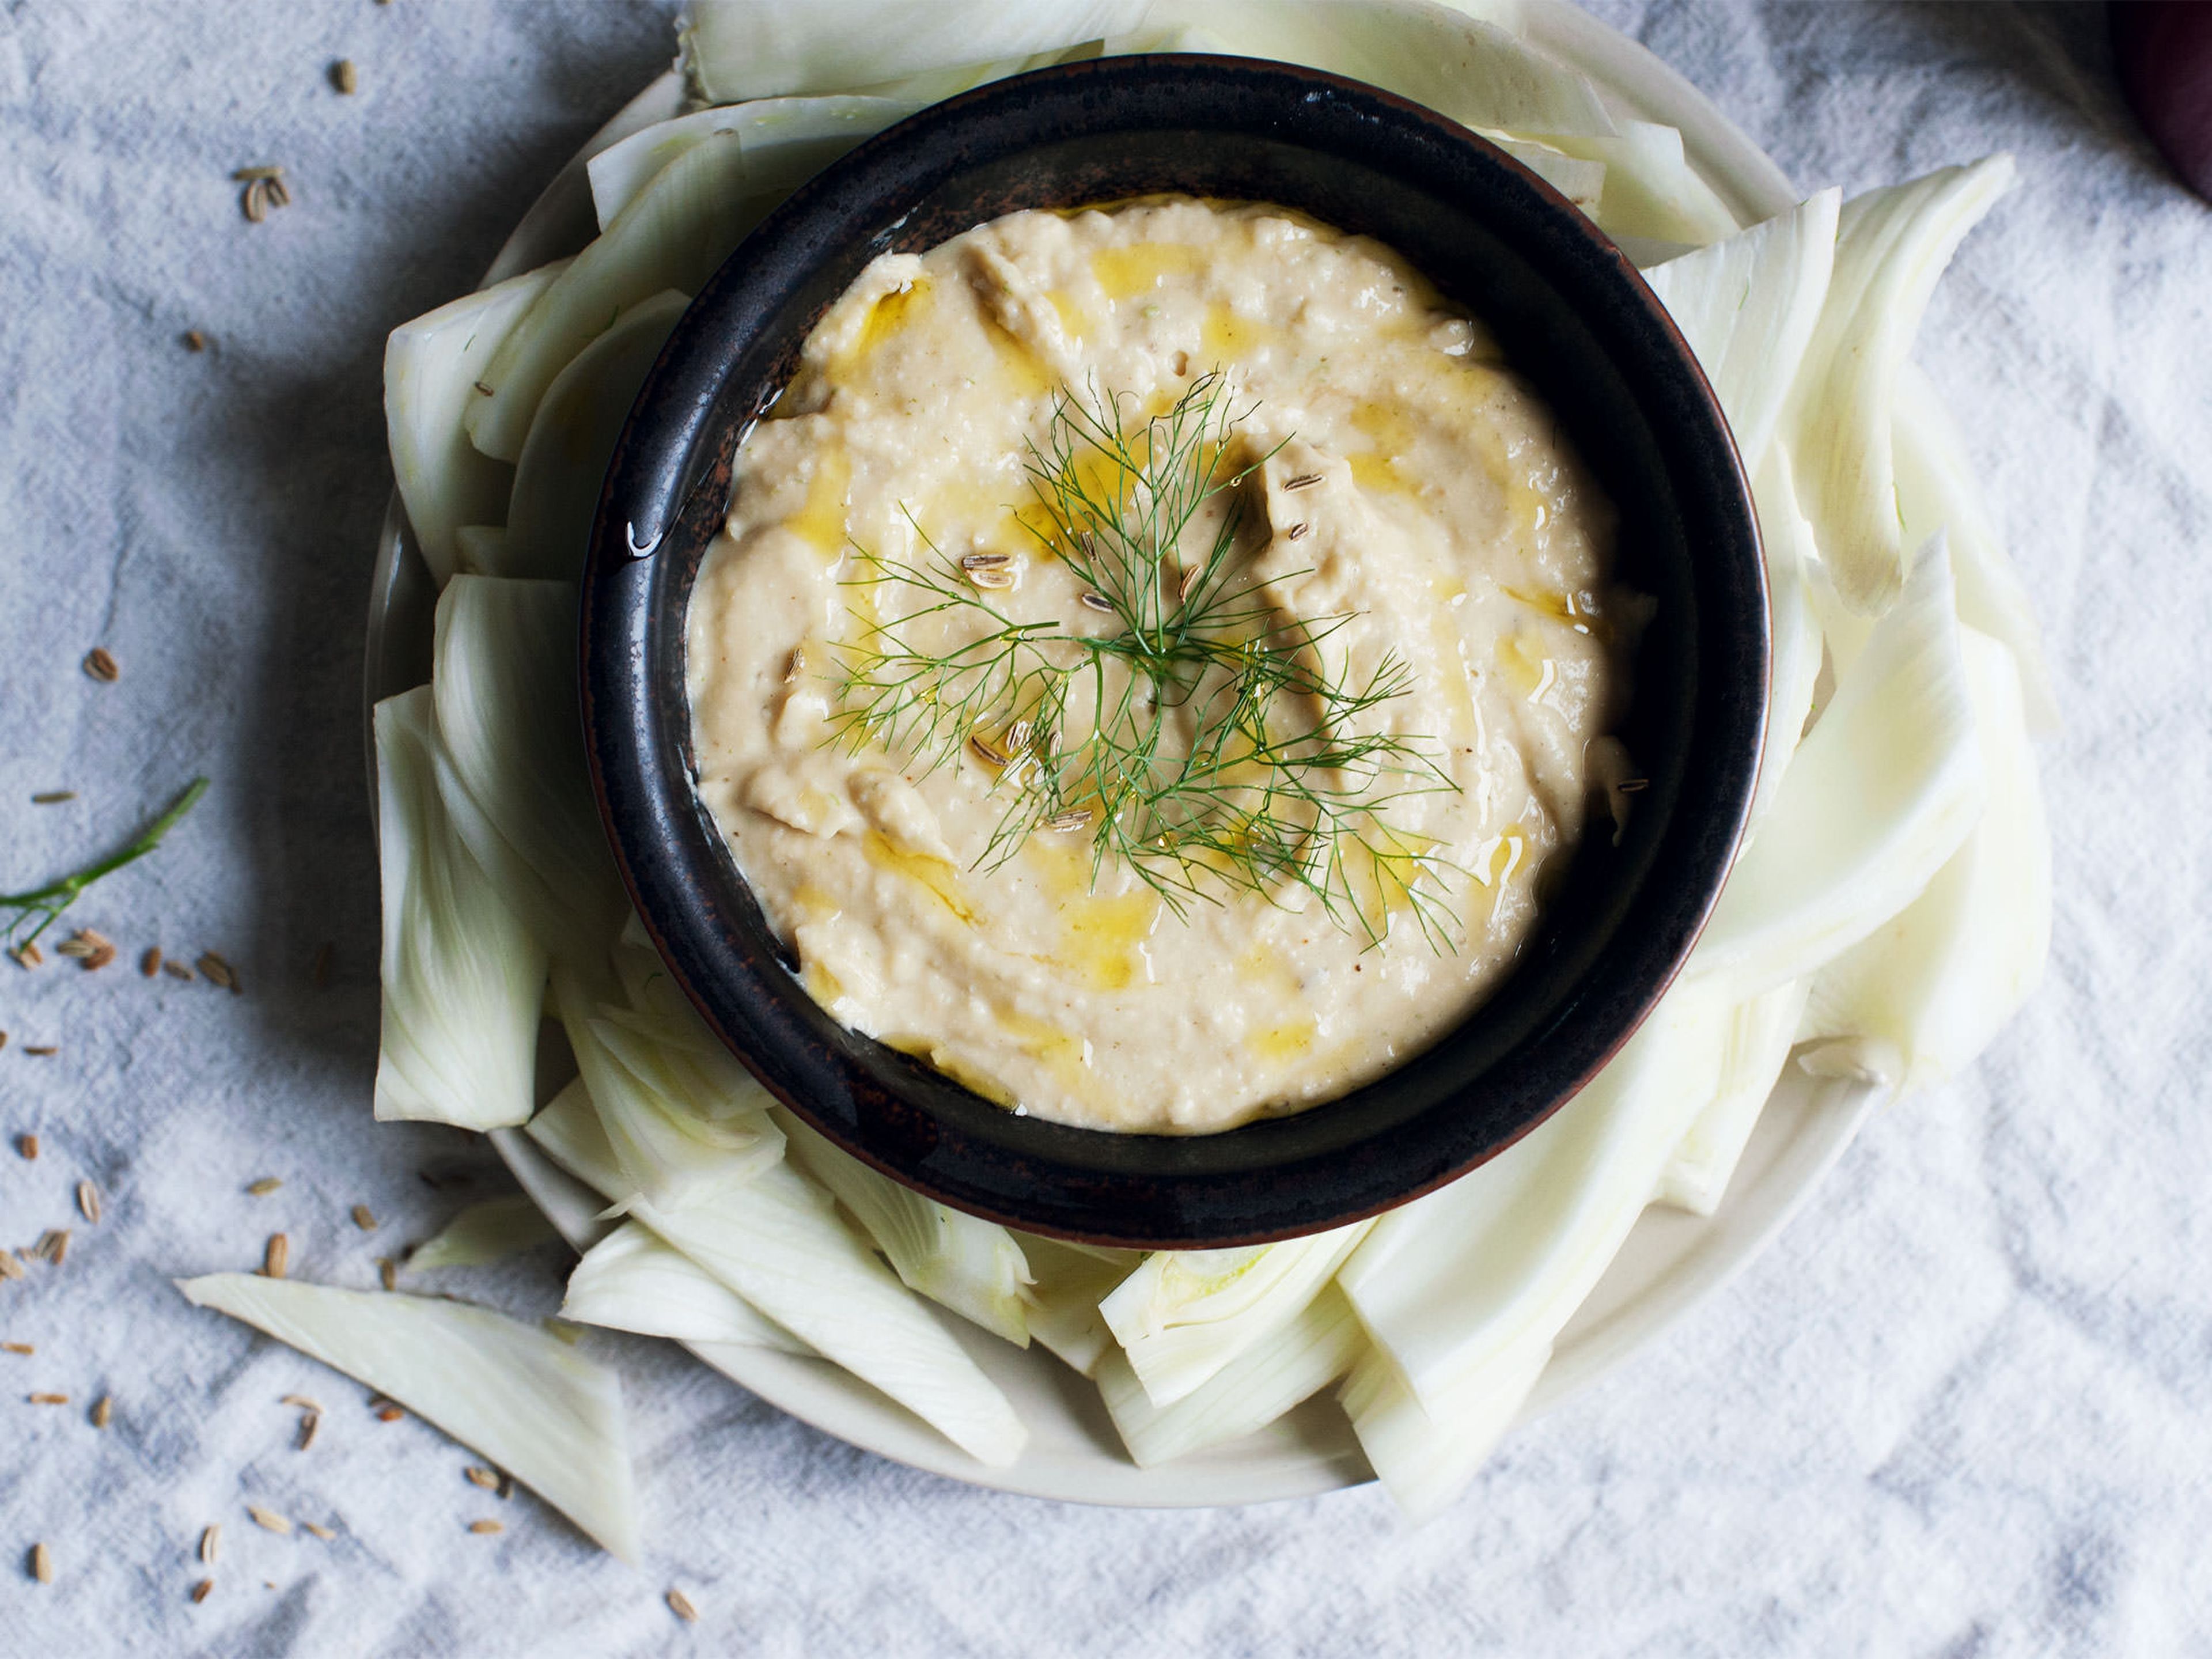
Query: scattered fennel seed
[42, 1564]
[53, 797]
[364, 1218]
[680, 1605]
[210, 1543]
[27, 1145]
[263, 1186]
[101, 665]
[150, 963]
[487, 1528]
[344, 77]
[17, 1347]
[201, 1590]
[88, 1201]
[103, 1411]
[268, 1520]
[195, 341]
[276, 1256]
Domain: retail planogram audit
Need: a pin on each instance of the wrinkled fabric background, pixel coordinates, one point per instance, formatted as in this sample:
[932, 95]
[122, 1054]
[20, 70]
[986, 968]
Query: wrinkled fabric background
[1962, 1407]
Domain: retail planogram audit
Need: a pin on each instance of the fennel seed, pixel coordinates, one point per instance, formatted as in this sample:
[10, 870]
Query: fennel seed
[487, 1528]
[263, 1186]
[41, 1050]
[984, 752]
[1633, 786]
[680, 1605]
[53, 1246]
[344, 77]
[1297, 530]
[17, 1347]
[389, 1413]
[484, 389]
[195, 341]
[178, 970]
[387, 1273]
[53, 797]
[201, 1590]
[321, 1532]
[364, 1219]
[101, 665]
[27, 1145]
[150, 963]
[48, 1399]
[985, 560]
[268, 1520]
[88, 1201]
[213, 968]
[1303, 481]
[505, 1488]
[28, 956]
[42, 1564]
[797, 665]
[279, 193]
[1062, 822]
[255, 203]
[256, 175]
[1098, 602]
[210, 1543]
[309, 1422]
[103, 1409]
[480, 1476]
[276, 1256]
[11, 1265]
[301, 1401]
[1189, 581]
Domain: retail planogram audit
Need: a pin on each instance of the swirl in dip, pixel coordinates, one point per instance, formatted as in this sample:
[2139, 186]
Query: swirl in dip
[1388, 524]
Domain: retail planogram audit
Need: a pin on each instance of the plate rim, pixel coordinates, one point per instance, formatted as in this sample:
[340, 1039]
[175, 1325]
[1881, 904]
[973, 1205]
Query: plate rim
[1298, 1456]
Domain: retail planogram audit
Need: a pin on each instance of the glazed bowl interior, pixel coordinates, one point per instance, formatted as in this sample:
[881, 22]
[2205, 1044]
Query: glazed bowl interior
[1573, 321]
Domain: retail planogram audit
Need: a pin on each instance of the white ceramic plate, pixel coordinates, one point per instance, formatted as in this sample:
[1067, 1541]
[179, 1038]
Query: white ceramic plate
[1670, 1261]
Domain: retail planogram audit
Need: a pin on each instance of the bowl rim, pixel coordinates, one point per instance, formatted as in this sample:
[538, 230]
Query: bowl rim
[906, 1140]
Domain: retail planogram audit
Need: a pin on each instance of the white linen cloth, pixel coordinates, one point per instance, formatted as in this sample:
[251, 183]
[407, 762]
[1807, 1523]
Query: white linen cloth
[1963, 1407]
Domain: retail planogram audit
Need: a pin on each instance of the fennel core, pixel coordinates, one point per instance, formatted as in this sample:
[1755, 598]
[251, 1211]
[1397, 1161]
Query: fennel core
[43, 905]
[1196, 733]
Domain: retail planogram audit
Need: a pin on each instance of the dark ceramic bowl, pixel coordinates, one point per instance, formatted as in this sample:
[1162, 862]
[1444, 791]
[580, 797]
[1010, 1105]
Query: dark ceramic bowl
[1575, 321]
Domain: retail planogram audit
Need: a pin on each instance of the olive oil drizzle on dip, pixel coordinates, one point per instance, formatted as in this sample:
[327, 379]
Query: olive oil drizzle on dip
[1151, 661]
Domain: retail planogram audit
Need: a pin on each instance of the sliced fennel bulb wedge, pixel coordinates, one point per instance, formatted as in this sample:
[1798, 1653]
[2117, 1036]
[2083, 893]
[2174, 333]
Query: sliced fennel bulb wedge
[1747, 306]
[463, 979]
[1892, 247]
[484, 1232]
[1426, 1452]
[523, 1399]
[1652, 193]
[1881, 793]
[1498, 1260]
[1068, 1283]
[431, 368]
[1937, 489]
[564, 460]
[631, 1280]
[567, 1127]
[785, 142]
[1937, 982]
[778, 1243]
[1759, 1035]
[504, 674]
[1794, 641]
[1286, 1367]
[1184, 1315]
[959, 1261]
[664, 1147]
[674, 234]
[1470, 70]
[740, 49]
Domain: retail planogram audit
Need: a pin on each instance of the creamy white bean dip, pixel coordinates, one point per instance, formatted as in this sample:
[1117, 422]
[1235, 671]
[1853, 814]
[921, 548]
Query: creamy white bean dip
[1402, 480]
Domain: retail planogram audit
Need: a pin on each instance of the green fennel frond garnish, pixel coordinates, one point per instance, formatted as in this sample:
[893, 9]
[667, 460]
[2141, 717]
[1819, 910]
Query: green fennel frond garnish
[1194, 731]
[43, 905]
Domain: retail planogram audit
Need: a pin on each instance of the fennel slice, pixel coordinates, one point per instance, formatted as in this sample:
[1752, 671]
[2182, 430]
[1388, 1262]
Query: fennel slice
[1892, 247]
[1760, 1035]
[778, 1242]
[564, 460]
[1284, 1369]
[1881, 793]
[463, 981]
[735, 50]
[518, 1396]
[1937, 982]
[432, 367]
[1068, 1282]
[1427, 1454]
[482, 1233]
[632, 1280]
[960, 1262]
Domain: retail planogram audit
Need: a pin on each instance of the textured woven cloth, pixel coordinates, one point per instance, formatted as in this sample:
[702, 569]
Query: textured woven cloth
[1962, 1406]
